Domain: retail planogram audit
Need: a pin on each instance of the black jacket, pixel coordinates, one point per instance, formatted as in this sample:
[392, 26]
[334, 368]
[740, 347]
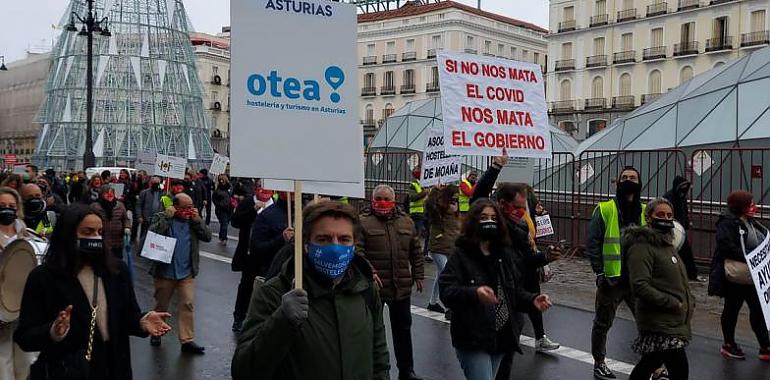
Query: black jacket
[728, 247]
[221, 200]
[267, 235]
[681, 212]
[242, 219]
[48, 291]
[473, 323]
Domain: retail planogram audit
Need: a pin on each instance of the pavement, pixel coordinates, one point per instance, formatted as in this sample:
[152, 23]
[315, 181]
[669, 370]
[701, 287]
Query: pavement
[568, 322]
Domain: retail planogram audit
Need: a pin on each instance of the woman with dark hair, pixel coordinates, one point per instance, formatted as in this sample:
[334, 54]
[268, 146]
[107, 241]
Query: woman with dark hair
[91, 191]
[738, 233]
[444, 218]
[223, 206]
[482, 287]
[79, 308]
[114, 218]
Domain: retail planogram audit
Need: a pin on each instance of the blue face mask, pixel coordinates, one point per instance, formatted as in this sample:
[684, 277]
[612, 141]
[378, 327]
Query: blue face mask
[331, 260]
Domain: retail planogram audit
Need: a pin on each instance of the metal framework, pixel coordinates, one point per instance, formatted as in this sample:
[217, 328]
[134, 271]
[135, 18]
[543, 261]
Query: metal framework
[370, 6]
[147, 95]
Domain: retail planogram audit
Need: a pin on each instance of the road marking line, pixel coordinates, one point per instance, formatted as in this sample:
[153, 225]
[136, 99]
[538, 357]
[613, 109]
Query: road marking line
[567, 352]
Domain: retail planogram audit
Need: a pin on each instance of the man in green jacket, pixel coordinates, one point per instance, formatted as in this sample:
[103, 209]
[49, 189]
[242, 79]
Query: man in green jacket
[331, 328]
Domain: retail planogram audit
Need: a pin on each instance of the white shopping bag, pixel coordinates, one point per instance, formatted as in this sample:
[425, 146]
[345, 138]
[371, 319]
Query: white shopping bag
[158, 247]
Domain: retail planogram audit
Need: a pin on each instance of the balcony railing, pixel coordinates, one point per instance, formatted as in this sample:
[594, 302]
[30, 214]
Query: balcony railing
[755, 38]
[688, 4]
[719, 43]
[595, 103]
[370, 123]
[596, 61]
[715, 2]
[657, 52]
[370, 60]
[626, 14]
[431, 53]
[388, 90]
[409, 56]
[369, 91]
[600, 20]
[657, 9]
[408, 88]
[389, 58]
[685, 48]
[648, 98]
[564, 65]
[471, 51]
[624, 57]
[623, 102]
[563, 106]
[432, 87]
[566, 26]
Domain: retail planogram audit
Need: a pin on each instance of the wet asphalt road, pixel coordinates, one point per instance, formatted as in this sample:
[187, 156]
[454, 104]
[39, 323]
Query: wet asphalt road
[434, 356]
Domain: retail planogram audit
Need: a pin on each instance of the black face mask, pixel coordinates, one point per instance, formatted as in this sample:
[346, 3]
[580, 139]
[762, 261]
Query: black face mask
[7, 216]
[34, 207]
[629, 188]
[90, 248]
[488, 230]
[155, 186]
[662, 225]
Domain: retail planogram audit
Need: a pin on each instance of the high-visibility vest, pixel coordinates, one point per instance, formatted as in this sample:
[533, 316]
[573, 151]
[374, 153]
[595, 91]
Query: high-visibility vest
[417, 207]
[611, 255]
[43, 228]
[166, 201]
[465, 202]
[344, 200]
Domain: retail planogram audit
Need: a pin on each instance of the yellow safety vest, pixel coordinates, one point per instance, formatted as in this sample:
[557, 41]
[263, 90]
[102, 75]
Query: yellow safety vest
[166, 201]
[344, 200]
[44, 229]
[417, 207]
[465, 204]
[611, 245]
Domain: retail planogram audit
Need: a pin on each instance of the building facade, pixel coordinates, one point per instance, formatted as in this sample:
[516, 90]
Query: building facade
[21, 93]
[212, 60]
[610, 56]
[397, 51]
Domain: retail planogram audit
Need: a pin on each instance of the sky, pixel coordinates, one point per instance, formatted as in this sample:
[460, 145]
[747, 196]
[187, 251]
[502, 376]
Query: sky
[27, 24]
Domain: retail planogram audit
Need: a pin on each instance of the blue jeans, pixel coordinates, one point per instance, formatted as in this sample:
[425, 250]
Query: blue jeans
[440, 260]
[479, 365]
[224, 220]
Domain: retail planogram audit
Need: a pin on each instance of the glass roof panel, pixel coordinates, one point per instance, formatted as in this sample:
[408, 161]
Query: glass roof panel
[717, 127]
[662, 130]
[692, 111]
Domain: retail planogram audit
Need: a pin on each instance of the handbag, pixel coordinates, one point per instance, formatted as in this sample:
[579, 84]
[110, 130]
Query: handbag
[233, 203]
[738, 272]
[75, 365]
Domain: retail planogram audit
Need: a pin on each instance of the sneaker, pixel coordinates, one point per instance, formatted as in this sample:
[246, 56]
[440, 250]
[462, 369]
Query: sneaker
[601, 371]
[732, 351]
[155, 341]
[764, 354]
[544, 344]
[193, 348]
[434, 307]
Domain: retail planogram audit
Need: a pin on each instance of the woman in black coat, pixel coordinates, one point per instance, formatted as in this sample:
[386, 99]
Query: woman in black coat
[222, 205]
[79, 308]
[483, 288]
[738, 233]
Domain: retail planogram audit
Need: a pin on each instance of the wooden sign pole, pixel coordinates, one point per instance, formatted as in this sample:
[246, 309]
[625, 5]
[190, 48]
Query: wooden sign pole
[288, 209]
[298, 235]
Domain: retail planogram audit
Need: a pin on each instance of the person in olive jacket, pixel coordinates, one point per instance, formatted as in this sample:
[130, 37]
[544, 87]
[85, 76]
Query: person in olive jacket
[444, 217]
[483, 288]
[332, 328]
[664, 304]
[388, 239]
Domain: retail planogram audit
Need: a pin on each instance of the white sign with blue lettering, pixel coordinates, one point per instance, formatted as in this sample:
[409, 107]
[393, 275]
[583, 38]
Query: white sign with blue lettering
[294, 91]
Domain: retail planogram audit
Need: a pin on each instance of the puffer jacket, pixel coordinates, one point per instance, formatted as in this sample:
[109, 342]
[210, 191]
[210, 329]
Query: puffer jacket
[728, 237]
[113, 228]
[664, 303]
[392, 246]
[444, 230]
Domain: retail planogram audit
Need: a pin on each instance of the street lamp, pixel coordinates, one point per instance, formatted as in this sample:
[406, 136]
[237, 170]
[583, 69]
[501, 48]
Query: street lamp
[91, 24]
[2, 63]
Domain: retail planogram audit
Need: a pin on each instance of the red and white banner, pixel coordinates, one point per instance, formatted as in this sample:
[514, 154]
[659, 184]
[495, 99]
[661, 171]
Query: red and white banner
[490, 104]
[10, 160]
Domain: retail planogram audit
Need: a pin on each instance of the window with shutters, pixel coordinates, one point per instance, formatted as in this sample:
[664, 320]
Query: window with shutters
[369, 80]
[625, 85]
[470, 42]
[566, 51]
[628, 4]
[387, 80]
[687, 33]
[685, 74]
[500, 49]
[565, 90]
[597, 87]
[525, 54]
[719, 33]
[656, 37]
[535, 57]
[569, 14]
[434, 74]
[758, 21]
[435, 42]
[513, 52]
[370, 50]
[488, 47]
[369, 113]
[409, 78]
[627, 42]
[599, 46]
[390, 48]
[600, 7]
[653, 83]
[410, 44]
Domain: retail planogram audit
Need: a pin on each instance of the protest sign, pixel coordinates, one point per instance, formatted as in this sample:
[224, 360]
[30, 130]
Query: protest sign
[520, 170]
[490, 104]
[145, 161]
[218, 165]
[759, 265]
[544, 226]
[170, 166]
[20, 169]
[295, 93]
[158, 247]
[437, 166]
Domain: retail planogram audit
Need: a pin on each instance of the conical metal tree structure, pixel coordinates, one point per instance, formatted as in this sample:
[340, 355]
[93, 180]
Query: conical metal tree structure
[147, 95]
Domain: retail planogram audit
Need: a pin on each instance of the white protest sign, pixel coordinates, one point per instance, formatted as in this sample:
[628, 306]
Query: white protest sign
[544, 226]
[490, 104]
[218, 165]
[520, 170]
[158, 247]
[437, 166]
[701, 161]
[145, 161]
[170, 166]
[118, 188]
[759, 265]
[352, 190]
[19, 169]
[295, 91]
